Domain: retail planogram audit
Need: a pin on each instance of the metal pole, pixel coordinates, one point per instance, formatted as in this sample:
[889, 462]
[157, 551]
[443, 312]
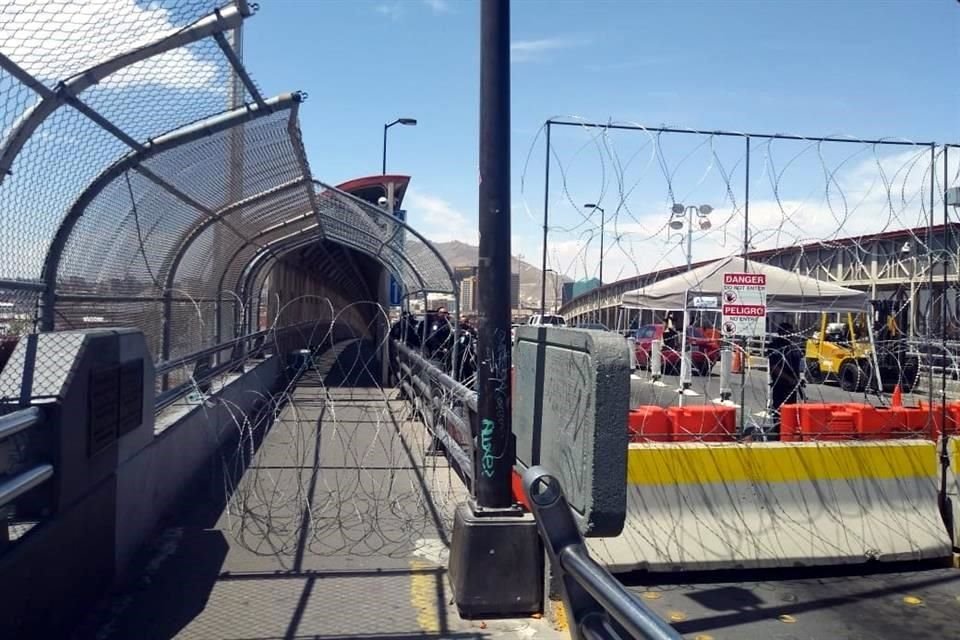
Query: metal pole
[690, 237]
[384, 171]
[494, 459]
[929, 313]
[600, 285]
[546, 207]
[744, 357]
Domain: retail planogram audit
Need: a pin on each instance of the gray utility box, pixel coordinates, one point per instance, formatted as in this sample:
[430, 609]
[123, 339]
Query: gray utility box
[571, 397]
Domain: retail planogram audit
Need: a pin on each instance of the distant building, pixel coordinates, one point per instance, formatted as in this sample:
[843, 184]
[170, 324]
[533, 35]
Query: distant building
[468, 295]
[514, 290]
[462, 273]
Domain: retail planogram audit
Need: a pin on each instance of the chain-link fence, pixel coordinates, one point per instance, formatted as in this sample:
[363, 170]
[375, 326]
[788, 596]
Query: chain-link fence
[633, 208]
[145, 181]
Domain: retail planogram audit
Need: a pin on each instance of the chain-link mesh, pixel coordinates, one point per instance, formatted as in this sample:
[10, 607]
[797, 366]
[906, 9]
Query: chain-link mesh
[865, 215]
[182, 224]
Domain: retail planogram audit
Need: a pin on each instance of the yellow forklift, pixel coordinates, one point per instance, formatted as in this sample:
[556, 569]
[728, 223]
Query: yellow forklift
[843, 351]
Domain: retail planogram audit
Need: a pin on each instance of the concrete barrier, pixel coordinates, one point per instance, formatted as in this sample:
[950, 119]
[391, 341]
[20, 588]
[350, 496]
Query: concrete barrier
[570, 402]
[696, 506]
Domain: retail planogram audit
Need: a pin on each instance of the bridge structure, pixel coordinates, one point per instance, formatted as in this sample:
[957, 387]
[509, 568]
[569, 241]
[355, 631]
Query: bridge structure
[206, 430]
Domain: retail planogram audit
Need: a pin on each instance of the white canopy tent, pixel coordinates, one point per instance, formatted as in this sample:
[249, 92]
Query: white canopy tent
[701, 288]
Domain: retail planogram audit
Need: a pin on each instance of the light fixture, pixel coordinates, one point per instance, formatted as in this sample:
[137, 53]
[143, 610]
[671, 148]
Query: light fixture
[676, 225]
[678, 209]
[705, 209]
[410, 122]
[705, 224]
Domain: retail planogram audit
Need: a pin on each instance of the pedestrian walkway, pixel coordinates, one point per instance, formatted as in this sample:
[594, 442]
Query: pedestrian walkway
[338, 528]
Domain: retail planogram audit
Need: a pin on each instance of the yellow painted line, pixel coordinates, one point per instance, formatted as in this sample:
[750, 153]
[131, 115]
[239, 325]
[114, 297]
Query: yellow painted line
[559, 616]
[699, 463]
[423, 595]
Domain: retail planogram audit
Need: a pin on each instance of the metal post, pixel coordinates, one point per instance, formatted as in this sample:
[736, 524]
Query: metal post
[690, 237]
[495, 456]
[384, 171]
[546, 206]
[933, 186]
[600, 288]
[744, 356]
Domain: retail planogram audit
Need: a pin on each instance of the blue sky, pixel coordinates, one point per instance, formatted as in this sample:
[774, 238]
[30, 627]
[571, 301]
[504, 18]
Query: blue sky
[867, 69]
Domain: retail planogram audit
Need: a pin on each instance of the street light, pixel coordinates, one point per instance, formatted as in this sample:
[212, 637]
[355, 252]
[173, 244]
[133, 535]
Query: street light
[677, 222]
[410, 122]
[597, 207]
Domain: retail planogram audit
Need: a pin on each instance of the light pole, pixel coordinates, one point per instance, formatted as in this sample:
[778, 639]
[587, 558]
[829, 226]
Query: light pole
[410, 122]
[677, 214]
[597, 207]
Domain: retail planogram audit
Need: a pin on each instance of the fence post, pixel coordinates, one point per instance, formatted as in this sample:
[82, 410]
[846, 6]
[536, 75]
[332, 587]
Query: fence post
[495, 559]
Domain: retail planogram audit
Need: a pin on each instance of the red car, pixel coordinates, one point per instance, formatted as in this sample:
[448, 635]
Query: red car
[704, 351]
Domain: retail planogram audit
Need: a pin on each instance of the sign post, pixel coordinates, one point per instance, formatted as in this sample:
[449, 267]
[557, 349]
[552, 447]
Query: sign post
[744, 305]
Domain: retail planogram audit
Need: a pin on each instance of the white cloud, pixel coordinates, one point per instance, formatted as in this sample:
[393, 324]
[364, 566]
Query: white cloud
[439, 220]
[26, 29]
[531, 50]
[438, 6]
[392, 10]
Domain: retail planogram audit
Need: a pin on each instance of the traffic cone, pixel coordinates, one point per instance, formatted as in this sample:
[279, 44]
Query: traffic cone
[737, 364]
[897, 396]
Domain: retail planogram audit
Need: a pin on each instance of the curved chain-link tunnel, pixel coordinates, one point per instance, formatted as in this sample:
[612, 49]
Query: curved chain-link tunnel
[123, 202]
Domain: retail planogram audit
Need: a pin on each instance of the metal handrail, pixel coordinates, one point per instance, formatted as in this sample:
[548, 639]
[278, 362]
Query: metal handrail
[419, 378]
[168, 396]
[23, 482]
[14, 487]
[18, 421]
[594, 599]
[458, 389]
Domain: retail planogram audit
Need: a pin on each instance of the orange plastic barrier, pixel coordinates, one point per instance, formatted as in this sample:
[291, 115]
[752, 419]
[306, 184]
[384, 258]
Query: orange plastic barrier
[953, 417]
[819, 421]
[703, 423]
[649, 424]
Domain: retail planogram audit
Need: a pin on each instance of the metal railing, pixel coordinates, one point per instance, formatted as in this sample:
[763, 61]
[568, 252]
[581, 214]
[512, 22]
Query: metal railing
[210, 363]
[447, 407]
[18, 482]
[598, 606]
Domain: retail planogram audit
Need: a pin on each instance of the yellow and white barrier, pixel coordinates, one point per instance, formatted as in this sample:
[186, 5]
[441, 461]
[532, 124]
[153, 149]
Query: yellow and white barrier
[694, 506]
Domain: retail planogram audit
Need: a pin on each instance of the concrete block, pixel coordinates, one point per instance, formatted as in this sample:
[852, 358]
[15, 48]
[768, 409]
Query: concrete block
[496, 565]
[706, 506]
[570, 402]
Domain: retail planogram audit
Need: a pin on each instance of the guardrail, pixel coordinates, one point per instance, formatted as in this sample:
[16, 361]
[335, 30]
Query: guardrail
[598, 606]
[209, 364]
[447, 407]
[18, 482]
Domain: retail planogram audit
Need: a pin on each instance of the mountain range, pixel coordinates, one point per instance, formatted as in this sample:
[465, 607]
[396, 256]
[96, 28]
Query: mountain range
[461, 254]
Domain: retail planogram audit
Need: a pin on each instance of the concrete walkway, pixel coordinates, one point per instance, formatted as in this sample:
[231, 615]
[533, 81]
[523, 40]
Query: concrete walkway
[338, 528]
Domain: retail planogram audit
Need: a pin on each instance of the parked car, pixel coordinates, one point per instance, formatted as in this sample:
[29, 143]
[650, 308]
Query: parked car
[704, 351]
[547, 319]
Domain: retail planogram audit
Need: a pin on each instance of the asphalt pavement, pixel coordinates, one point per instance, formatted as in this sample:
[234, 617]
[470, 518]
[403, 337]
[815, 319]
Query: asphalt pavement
[750, 391]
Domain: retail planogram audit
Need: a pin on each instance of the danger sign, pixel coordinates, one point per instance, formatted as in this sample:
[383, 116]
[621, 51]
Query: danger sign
[744, 304]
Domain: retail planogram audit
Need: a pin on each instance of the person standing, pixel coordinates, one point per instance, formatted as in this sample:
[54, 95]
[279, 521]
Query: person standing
[786, 378]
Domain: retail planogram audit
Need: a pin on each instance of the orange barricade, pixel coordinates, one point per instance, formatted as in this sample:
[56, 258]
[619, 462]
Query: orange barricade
[649, 424]
[819, 421]
[703, 423]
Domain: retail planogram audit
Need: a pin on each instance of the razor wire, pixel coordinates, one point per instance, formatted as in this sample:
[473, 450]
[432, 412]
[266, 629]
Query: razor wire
[334, 464]
[864, 214]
